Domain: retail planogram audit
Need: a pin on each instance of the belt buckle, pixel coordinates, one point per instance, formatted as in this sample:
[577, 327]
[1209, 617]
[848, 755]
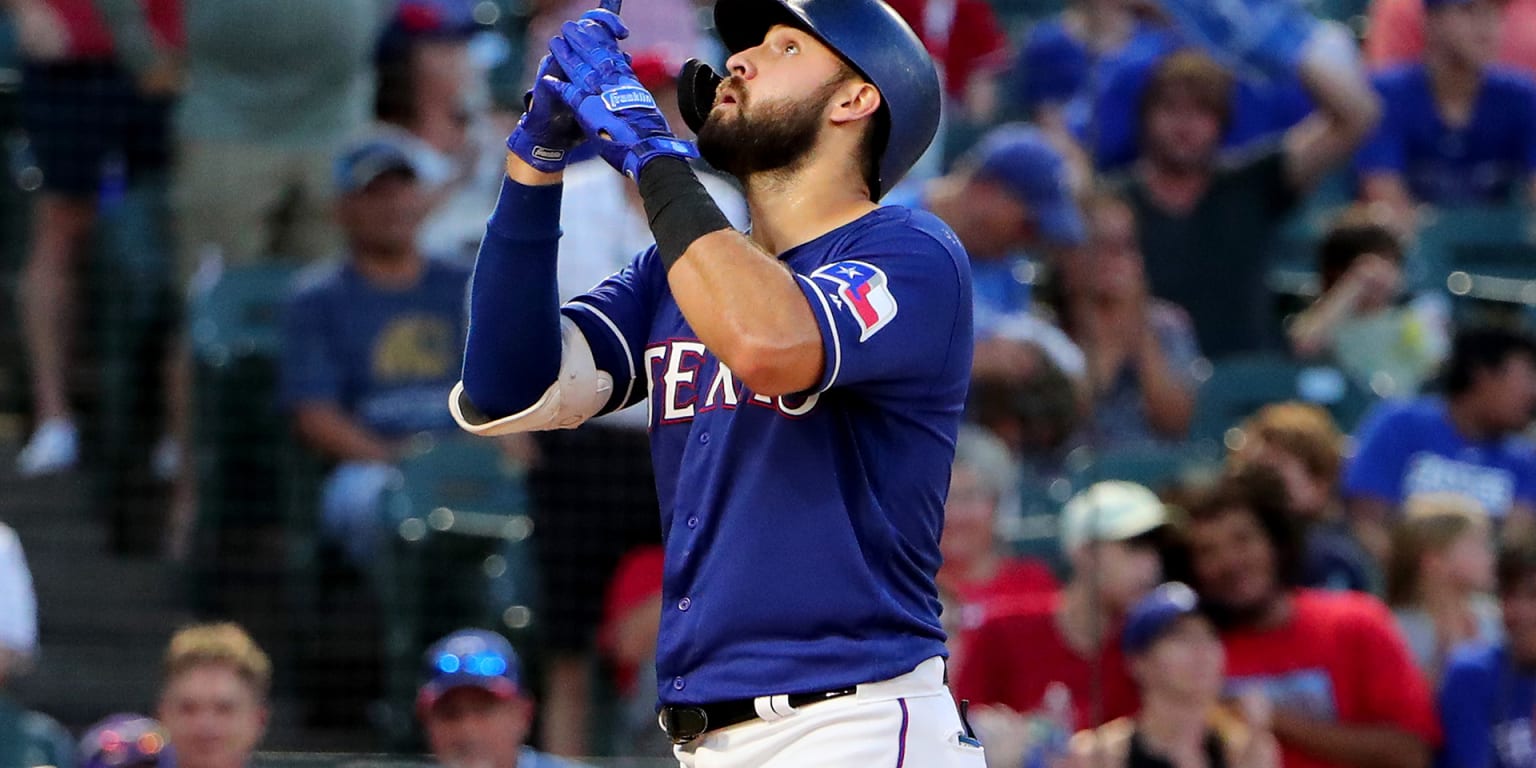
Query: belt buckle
[684, 724]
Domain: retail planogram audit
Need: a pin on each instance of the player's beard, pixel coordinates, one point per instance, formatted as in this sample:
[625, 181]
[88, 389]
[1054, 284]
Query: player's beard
[775, 138]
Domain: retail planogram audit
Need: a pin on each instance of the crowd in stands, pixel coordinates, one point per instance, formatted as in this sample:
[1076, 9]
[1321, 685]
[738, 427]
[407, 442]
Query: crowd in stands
[1317, 586]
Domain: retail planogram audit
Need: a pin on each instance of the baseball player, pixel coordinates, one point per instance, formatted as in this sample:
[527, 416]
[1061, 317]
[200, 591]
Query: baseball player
[805, 380]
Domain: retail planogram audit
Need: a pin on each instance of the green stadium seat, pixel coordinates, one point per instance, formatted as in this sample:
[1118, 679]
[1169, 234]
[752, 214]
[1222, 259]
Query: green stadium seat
[457, 551]
[1481, 254]
[1239, 386]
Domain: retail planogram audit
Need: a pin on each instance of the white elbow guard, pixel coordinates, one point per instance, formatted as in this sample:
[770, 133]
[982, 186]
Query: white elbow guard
[579, 392]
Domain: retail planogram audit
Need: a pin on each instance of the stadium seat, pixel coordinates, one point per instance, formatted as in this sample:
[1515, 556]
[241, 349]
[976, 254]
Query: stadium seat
[1239, 386]
[1154, 466]
[1481, 254]
[457, 551]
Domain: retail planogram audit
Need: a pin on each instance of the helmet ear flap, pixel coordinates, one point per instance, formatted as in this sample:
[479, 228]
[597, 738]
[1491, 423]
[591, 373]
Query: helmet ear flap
[696, 87]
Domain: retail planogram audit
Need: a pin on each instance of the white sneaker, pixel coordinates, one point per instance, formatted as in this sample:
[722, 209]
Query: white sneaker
[54, 447]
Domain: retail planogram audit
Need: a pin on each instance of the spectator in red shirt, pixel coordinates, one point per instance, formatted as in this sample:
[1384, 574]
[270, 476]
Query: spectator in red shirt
[1344, 689]
[976, 568]
[627, 640]
[967, 43]
[1110, 533]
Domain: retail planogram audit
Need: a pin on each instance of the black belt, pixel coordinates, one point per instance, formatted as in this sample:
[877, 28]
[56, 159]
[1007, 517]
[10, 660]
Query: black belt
[684, 724]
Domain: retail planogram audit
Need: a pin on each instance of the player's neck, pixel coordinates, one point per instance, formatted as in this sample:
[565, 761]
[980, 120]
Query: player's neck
[791, 208]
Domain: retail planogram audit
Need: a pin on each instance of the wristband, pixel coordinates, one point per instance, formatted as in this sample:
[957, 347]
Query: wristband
[678, 207]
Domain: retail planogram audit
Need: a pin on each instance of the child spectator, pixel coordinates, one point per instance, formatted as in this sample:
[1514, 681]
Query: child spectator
[1357, 322]
[213, 696]
[1440, 576]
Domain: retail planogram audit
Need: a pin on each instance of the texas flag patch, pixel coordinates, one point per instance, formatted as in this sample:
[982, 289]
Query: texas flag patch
[862, 290]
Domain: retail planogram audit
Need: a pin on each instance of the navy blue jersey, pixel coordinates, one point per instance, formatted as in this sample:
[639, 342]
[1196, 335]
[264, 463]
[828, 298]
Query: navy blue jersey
[801, 532]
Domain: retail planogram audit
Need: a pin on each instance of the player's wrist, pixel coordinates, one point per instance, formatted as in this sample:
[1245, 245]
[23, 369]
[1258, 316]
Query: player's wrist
[677, 206]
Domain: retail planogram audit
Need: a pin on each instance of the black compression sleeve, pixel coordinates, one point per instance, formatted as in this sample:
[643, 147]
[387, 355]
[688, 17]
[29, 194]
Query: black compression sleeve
[678, 207]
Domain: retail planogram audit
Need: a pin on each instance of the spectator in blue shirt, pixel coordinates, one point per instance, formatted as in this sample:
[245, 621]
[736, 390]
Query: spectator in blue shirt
[1488, 696]
[1011, 195]
[371, 344]
[1465, 442]
[1457, 129]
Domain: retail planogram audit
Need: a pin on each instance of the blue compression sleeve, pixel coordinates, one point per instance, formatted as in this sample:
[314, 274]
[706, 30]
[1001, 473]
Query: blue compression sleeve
[512, 353]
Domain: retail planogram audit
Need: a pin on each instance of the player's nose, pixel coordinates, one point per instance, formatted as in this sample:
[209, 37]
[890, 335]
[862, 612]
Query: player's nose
[740, 63]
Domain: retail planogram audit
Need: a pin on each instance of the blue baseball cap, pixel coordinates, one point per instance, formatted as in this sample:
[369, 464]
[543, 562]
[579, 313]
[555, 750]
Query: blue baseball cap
[1020, 158]
[469, 658]
[427, 20]
[1151, 617]
[363, 161]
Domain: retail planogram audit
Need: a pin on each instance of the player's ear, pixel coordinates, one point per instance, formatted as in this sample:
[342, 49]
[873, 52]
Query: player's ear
[854, 100]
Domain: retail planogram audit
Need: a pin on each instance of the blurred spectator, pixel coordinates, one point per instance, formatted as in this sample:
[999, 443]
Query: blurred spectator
[473, 706]
[1467, 441]
[597, 477]
[631, 618]
[125, 741]
[1489, 691]
[27, 739]
[213, 697]
[1342, 683]
[95, 98]
[1456, 130]
[255, 140]
[1021, 393]
[1206, 222]
[1009, 198]
[370, 345]
[1440, 576]
[969, 46]
[425, 75]
[977, 569]
[1141, 350]
[1062, 58]
[1060, 657]
[1177, 660]
[1395, 34]
[672, 26]
[1300, 443]
[1357, 322]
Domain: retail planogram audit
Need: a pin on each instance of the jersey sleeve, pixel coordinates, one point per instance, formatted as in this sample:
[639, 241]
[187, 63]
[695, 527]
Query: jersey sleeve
[615, 318]
[1464, 700]
[309, 372]
[894, 309]
[1376, 471]
[1382, 655]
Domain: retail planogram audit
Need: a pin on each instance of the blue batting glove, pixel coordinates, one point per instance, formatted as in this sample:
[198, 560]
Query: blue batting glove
[610, 104]
[548, 129]
[1265, 36]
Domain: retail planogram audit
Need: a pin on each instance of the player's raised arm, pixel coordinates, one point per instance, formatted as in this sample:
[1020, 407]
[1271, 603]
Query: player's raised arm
[743, 303]
[524, 367]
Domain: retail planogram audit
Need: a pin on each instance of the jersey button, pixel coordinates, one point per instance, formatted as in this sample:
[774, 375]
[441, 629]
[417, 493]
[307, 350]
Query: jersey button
[693, 522]
[704, 438]
[684, 604]
[677, 684]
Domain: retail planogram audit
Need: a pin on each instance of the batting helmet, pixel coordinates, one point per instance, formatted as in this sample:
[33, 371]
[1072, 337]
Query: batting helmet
[875, 41]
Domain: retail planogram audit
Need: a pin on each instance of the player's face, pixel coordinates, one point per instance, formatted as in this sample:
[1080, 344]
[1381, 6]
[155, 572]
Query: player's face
[1182, 132]
[1466, 32]
[1186, 664]
[386, 214]
[770, 112]
[1519, 608]
[1234, 562]
[213, 717]
[969, 514]
[474, 728]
